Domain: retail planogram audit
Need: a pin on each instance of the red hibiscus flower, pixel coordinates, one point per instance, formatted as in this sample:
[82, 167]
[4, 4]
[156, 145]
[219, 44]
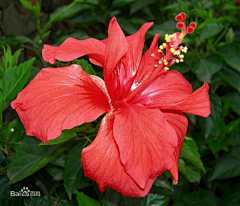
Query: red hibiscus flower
[142, 133]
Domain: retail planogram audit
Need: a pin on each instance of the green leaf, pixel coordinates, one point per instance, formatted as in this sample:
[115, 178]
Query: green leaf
[210, 30]
[216, 109]
[200, 198]
[190, 164]
[69, 13]
[27, 157]
[206, 68]
[41, 201]
[234, 138]
[4, 192]
[231, 77]
[121, 3]
[140, 4]
[27, 4]
[155, 200]
[73, 173]
[231, 54]
[233, 99]
[162, 181]
[84, 200]
[65, 136]
[47, 159]
[85, 66]
[228, 166]
[14, 131]
[15, 78]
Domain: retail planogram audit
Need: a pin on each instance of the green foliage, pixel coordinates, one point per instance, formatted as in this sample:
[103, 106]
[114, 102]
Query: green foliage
[84, 200]
[15, 79]
[209, 165]
[190, 164]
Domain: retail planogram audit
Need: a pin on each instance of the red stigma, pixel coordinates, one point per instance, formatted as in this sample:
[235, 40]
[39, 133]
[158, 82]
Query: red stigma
[178, 17]
[183, 15]
[190, 29]
[193, 24]
[180, 25]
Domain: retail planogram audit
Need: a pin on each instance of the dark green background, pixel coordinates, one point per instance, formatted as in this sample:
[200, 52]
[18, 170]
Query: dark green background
[210, 159]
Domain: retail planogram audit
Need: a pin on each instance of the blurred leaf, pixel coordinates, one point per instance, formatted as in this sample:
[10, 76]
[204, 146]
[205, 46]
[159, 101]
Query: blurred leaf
[216, 109]
[73, 173]
[55, 172]
[69, 13]
[41, 201]
[47, 159]
[234, 138]
[15, 79]
[190, 164]
[84, 200]
[27, 157]
[233, 99]
[200, 198]
[88, 17]
[14, 131]
[231, 54]
[85, 66]
[217, 145]
[4, 191]
[65, 136]
[121, 3]
[205, 68]
[155, 200]
[27, 4]
[228, 166]
[140, 4]
[231, 197]
[233, 126]
[231, 77]
[162, 181]
[210, 30]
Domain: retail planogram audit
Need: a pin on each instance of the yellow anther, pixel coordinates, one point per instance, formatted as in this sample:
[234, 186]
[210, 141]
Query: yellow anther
[181, 60]
[185, 49]
[152, 55]
[155, 65]
[164, 45]
[166, 63]
[159, 62]
[177, 60]
[172, 50]
[166, 68]
[174, 35]
[178, 52]
[181, 56]
[161, 47]
[172, 46]
[175, 53]
[181, 47]
[164, 60]
[159, 50]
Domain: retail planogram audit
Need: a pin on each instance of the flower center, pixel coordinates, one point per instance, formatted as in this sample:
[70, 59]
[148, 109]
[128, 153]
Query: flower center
[168, 53]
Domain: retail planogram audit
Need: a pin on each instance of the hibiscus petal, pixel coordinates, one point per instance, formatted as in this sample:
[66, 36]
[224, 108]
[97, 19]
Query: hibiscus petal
[116, 48]
[101, 162]
[146, 66]
[180, 123]
[145, 141]
[171, 91]
[72, 49]
[58, 99]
